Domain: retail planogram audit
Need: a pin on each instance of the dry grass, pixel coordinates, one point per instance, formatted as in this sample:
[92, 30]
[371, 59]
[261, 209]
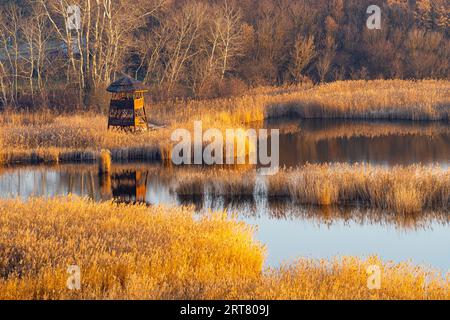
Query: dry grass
[401, 189]
[123, 251]
[379, 99]
[232, 184]
[346, 278]
[234, 188]
[45, 137]
[68, 138]
[137, 252]
[104, 162]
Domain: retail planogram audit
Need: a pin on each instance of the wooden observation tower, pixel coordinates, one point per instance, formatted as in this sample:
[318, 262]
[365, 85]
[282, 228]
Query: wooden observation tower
[126, 110]
[129, 186]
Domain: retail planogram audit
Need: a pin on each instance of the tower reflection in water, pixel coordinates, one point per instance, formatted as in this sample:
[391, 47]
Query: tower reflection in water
[127, 186]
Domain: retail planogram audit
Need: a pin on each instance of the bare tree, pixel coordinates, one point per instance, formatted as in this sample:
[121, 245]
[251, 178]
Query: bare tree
[10, 18]
[96, 49]
[221, 44]
[229, 30]
[27, 28]
[302, 54]
[326, 60]
[5, 79]
[181, 46]
[150, 51]
[423, 50]
[42, 37]
[3, 83]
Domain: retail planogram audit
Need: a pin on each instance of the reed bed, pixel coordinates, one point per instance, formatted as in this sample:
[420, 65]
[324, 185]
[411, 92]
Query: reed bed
[311, 132]
[47, 137]
[122, 251]
[74, 138]
[346, 278]
[233, 184]
[379, 99]
[401, 189]
[139, 252]
[191, 190]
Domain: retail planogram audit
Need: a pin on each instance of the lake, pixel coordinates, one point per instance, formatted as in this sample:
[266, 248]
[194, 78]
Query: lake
[289, 231]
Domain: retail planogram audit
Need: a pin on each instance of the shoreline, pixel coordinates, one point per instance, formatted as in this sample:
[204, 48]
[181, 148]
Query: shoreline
[48, 138]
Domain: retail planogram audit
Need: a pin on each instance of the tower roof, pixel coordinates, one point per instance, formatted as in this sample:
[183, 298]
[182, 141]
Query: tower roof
[126, 84]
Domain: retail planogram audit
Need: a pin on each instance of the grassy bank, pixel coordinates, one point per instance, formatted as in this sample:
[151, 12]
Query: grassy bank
[380, 99]
[48, 138]
[123, 251]
[222, 182]
[426, 100]
[143, 252]
[403, 189]
[45, 137]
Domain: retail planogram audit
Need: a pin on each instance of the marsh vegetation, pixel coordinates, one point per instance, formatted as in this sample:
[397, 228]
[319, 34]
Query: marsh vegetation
[48, 137]
[134, 251]
[364, 118]
[401, 189]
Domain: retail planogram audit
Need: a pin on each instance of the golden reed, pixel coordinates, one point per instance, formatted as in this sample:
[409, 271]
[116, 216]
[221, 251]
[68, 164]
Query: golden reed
[140, 252]
[44, 137]
[402, 189]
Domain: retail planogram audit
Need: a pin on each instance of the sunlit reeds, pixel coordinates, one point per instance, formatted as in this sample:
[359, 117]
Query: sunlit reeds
[46, 137]
[379, 99]
[347, 278]
[104, 162]
[74, 138]
[139, 252]
[233, 184]
[401, 189]
[122, 251]
[190, 184]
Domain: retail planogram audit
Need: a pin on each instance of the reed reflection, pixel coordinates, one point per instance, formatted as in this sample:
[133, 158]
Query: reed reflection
[126, 186]
[376, 142]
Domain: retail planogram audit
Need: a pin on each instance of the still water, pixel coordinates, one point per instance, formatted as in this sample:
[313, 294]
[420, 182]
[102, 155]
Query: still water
[375, 142]
[288, 231]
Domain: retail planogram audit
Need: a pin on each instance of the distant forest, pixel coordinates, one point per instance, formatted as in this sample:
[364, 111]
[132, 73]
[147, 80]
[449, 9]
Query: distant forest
[207, 49]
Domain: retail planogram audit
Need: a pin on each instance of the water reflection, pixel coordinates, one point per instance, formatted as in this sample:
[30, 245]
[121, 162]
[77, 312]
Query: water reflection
[128, 186]
[359, 215]
[376, 142]
[288, 230]
[259, 207]
[154, 184]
